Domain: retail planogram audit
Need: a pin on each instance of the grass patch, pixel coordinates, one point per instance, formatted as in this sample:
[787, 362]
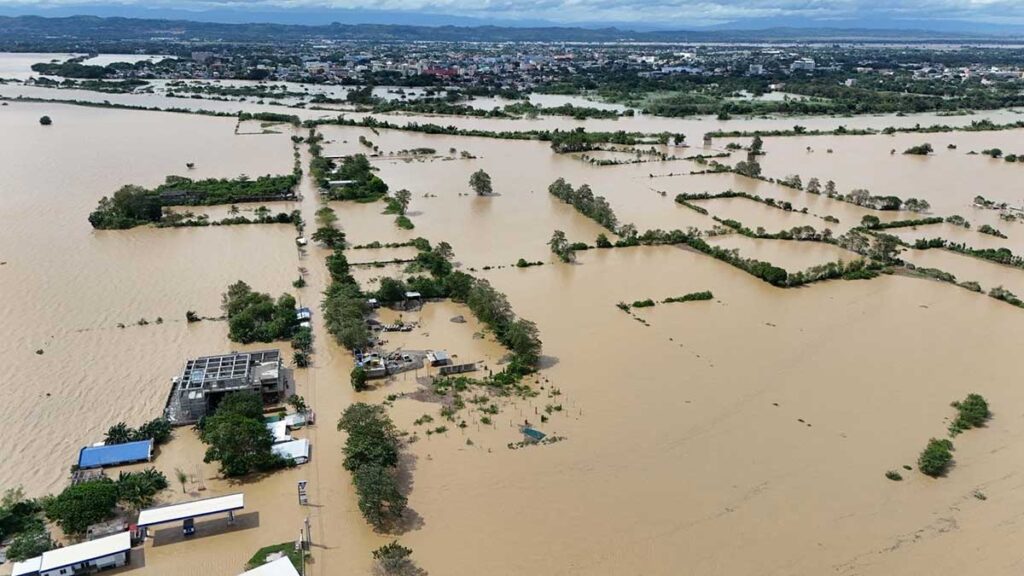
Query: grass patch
[287, 548]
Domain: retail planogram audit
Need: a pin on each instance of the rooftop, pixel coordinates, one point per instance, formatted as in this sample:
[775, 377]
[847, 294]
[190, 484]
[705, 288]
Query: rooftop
[84, 552]
[97, 456]
[194, 509]
[219, 369]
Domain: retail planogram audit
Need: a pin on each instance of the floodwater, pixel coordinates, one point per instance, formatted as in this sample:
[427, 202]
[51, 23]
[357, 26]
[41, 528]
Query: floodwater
[761, 421]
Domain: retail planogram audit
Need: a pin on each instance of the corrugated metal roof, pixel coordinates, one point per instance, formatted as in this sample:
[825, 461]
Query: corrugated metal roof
[91, 550]
[194, 509]
[97, 456]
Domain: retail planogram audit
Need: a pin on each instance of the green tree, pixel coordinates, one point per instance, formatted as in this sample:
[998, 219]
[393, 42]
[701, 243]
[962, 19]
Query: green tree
[380, 500]
[358, 378]
[45, 120]
[326, 217]
[394, 559]
[560, 247]
[329, 236]
[402, 198]
[237, 437]
[181, 477]
[480, 182]
[119, 433]
[29, 544]
[936, 457]
[138, 490]
[83, 504]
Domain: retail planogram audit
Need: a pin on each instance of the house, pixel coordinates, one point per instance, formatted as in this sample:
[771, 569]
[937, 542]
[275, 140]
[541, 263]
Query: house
[94, 555]
[115, 454]
[205, 381]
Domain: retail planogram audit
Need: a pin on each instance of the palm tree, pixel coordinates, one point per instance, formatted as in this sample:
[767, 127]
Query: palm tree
[119, 433]
[182, 478]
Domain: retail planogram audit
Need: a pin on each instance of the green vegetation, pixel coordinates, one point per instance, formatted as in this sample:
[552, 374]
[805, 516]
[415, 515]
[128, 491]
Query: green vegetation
[393, 559]
[80, 505]
[594, 207]
[286, 548]
[404, 223]
[935, 458]
[344, 305]
[255, 317]
[361, 183]
[480, 182]
[919, 150]
[560, 247]
[21, 523]
[45, 120]
[138, 490]
[158, 430]
[986, 229]
[134, 205]
[358, 379]
[972, 412]
[894, 475]
[371, 455]
[691, 297]
[237, 437]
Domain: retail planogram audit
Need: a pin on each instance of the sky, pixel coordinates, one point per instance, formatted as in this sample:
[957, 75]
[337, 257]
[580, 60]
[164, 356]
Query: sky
[639, 14]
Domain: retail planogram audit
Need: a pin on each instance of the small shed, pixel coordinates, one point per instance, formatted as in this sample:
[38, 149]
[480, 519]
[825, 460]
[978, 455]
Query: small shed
[297, 450]
[115, 454]
[533, 435]
[439, 358]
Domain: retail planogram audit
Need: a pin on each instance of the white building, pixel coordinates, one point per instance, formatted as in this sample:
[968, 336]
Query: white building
[102, 553]
[805, 64]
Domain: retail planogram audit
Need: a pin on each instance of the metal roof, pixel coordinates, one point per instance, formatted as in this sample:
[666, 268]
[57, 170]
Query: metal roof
[280, 567]
[26, 567]
[91, 550]
[194, 509]
[296, 450]
[97, 456]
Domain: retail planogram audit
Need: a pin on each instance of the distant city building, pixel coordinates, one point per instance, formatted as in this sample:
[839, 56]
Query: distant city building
[803, 64]
[755, 69]
[203, 57]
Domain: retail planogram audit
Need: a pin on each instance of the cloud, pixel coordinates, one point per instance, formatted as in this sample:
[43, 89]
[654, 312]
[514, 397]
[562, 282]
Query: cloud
[662, 12]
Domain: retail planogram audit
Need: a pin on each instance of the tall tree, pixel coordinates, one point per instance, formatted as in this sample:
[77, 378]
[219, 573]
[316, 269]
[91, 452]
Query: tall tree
[480, 182]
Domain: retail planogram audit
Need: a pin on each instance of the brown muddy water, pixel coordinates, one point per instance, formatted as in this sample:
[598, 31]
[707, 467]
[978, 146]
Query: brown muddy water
[748, 434]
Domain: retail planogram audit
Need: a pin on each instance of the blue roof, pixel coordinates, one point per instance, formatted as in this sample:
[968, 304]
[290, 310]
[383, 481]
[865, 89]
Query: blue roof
[534, 434]
[97, 456]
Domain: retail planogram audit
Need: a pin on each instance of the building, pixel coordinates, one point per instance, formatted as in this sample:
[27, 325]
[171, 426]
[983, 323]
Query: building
[755, 70]
[296, 451]
[94, 555]
[804, 64]
[280, 567]
[205, 381]
[115, 454]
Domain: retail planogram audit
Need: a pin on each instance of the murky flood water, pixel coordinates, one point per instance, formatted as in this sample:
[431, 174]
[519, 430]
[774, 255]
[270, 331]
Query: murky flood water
[761, 421]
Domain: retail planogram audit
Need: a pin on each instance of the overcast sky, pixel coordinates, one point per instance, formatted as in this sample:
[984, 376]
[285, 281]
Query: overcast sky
[663, 13]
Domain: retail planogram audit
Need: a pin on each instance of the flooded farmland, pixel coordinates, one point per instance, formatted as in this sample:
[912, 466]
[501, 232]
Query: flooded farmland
[762, 419]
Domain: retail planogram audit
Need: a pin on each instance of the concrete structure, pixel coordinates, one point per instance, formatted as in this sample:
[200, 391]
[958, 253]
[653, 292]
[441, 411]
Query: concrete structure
[115, 454]
[205, 381]
[188, 511]
[92, 556]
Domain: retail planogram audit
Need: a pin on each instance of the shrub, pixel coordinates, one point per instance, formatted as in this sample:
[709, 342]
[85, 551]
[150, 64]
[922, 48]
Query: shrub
[894, 475]
[935, 458]
[358, 378]
[393, 559]
[972, 412]
[45, 120]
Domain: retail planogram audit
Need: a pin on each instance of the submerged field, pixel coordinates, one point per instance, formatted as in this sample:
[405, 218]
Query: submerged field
[760, 421]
